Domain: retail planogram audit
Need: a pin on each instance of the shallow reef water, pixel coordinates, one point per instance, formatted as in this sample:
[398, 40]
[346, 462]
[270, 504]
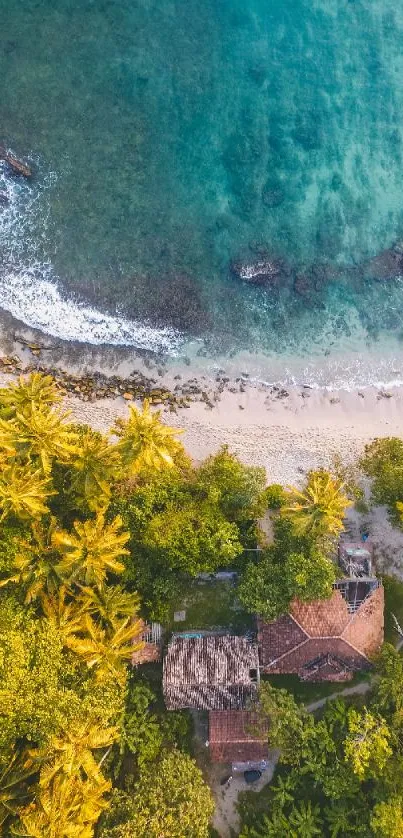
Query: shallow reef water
[172, 138]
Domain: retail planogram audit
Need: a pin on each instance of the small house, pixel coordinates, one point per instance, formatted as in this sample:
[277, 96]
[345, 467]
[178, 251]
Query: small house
[237, 736]
[210, 672]
[329, 639]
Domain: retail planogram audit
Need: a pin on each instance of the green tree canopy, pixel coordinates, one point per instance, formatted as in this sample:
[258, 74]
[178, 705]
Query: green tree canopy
[268, 587]
[383, 462]
[170, 799]
[387, 818]
[240, 488]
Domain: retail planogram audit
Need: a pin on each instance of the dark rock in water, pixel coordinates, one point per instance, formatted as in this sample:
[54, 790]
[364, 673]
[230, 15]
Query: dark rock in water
[262, 272]
[4, 199]
[273, 193]
[258, 72]
[322, 274]
[303, 285]
[387, 265]
[17, 166]
[259, 247]
[314, 279]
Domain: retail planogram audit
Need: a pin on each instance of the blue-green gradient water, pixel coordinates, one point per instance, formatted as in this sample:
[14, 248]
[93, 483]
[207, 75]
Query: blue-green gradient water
[170, 137]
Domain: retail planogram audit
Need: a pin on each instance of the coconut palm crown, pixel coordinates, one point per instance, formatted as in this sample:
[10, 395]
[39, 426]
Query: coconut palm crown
[145, 441]
[319, 509]
[29, 392]
[94, 466]
[107, 651]
[23, 492]
[91, 551]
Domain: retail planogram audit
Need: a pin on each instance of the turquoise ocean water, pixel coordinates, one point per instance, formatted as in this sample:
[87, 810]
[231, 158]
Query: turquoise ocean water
[171, 137]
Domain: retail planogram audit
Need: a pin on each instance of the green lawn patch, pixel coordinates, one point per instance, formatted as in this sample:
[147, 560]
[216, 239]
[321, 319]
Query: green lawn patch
[211, 605]
[393, 605]
[305, 692]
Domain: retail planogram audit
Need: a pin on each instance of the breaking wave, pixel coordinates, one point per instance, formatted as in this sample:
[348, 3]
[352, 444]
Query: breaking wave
[28, 289]
[40, 305]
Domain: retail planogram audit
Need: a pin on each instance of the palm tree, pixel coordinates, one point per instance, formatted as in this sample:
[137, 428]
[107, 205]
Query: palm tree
[306, 821]
[68, 807]
[339, 818]
[110, 603]
[65, 616]
[23, 492]
[91, 551]
[276, 826]
[72, 751]
[95, 466]
[32, 391]
[15, 781]
[43, 436]
[107, 651]
[284, 791]
[35, 565]
[319, 509]
[8, 437]
[144, 441]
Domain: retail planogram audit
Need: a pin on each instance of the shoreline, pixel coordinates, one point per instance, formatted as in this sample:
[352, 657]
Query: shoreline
[288, 430]
[287, 436]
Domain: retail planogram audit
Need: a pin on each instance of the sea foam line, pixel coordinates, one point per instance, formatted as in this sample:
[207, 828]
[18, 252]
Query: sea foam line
[39, 304]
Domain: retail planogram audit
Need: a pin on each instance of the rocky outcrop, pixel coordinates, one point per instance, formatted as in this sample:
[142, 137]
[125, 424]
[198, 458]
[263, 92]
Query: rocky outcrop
[261, 272]
[15, 164]
[387, 265]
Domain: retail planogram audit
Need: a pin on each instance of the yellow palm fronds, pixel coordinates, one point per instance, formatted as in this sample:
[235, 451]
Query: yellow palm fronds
[318, 509]
[23, 492]
[92, 550]
[145, 441]
[105, 651]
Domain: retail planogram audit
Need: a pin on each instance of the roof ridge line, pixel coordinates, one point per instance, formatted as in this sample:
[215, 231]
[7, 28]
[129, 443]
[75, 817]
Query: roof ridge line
[363, 655]
[284, 655]
[321, 637]
[298, 624]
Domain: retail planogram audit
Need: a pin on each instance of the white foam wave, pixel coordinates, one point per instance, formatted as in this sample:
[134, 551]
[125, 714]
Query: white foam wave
[40, 305]
[30, 292]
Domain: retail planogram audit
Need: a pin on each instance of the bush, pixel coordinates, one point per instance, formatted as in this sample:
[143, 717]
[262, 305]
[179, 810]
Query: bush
[383, 462]
[275, 496]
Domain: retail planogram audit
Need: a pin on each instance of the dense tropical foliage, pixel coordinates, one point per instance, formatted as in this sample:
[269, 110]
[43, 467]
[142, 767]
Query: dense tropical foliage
[299, 561]
[74, 723]
[340, 774]
[99, 532]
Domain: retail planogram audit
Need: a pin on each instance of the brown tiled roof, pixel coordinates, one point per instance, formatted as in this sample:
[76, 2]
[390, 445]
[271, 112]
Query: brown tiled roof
[278, 637]
[237, 736]
[329, 626]
[210, 673]
[322, 618]
[327, 667]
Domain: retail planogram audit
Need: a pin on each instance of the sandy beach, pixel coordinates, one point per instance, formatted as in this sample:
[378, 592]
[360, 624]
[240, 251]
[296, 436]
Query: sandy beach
[287, 435]
[288, 430]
